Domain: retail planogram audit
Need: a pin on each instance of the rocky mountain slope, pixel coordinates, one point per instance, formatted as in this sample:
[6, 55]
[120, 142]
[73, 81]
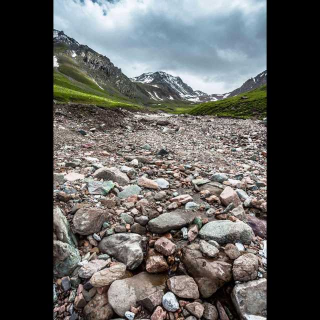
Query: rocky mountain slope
[251, 84]
[158, 216]
[79, 61]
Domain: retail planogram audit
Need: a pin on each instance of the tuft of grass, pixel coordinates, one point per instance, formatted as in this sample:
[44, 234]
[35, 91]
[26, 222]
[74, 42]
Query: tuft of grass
[255, 106]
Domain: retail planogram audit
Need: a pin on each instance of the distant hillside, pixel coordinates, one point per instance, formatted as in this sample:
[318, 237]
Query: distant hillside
[251, 84]
[252, 104]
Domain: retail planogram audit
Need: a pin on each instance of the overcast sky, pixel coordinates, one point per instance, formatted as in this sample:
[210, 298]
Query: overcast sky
[213, 45]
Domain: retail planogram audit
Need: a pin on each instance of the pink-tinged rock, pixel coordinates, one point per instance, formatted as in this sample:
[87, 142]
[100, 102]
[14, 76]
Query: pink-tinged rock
[183, 198]
[98, 308]
[79, 301]
[193, 232]
[165, 246]
[196, 309]
[159, 314]
[228, 196]
[183, 287]
[156, 263]
[258, 226]
[245, 268]
[147, 183]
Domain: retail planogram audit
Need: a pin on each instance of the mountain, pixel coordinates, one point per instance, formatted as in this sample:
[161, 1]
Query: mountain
[251, 84]
[163, 86]
[81, 63]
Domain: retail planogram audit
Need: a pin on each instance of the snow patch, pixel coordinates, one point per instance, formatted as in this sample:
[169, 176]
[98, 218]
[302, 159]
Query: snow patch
[157, 95]
[73, 54]
[97, 83]
[55, 62]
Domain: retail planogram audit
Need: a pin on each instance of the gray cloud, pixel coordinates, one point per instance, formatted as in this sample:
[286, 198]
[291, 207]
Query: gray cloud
[213, 46]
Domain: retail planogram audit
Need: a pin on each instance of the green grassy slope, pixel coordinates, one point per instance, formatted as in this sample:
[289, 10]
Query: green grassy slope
[253, 107]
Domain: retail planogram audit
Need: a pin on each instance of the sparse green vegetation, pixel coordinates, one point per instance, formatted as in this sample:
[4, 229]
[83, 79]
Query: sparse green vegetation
[255, 106]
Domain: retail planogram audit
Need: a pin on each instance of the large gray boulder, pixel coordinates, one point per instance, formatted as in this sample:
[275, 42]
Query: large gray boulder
[65, 258]
[61, 228]
[89, 220]
[125, 247]
[250, 299]
[171, 221]
[65, 254]
[226, 231]
[113, 174]
[125, 293]
[209, 275]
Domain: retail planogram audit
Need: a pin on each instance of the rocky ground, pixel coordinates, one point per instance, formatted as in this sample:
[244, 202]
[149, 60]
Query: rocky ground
[157, 216]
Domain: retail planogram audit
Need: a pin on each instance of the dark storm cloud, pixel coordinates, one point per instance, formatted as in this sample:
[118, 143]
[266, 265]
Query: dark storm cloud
[213, 45]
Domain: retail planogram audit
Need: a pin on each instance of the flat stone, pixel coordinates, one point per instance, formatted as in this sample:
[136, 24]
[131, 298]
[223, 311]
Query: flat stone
[192, 206]
[125, 293]
[89, 220]
[215, 188]
[73, 176]
[162, 183]
[100, 188]
[129, 191]
[242, 194]
[170, 302]
[173, 220]
[125, 247]
[113, 174]
[208, 249]
[147, 183]
[219, 177]
[183, 287]
[245, 268]
[226, 231]
[229, 196]
[250, 299]
[92, 267]
[165, 246]
[183, 198]
[106, 276]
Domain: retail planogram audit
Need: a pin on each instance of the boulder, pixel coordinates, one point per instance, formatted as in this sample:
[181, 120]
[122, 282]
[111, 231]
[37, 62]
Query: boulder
[245, 268]
[98, 308]
[208, 274]
[113, 174]
[210, 312]
[156, 263]
[183, 287]
[125, 247]
[250, 299]
[106, 276]
[92, 267]
[229, 196]
[87, 221]
[232, 251]
[173, 220]
[125, 293]
[129, 191]
[258, 226]
[196, 309]
[65, 258]
[226, 231]
[208, 249]
[170, 302]
[165, 246]
[61, 228]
